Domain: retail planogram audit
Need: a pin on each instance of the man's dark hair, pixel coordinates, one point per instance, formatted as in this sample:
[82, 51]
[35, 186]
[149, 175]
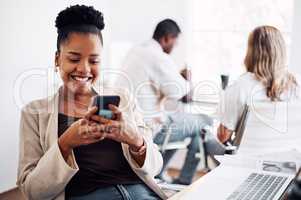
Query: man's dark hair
[78, 19]
[166, 27]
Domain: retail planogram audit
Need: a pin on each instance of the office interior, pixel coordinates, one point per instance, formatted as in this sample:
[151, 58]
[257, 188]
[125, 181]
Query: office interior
[213, 42]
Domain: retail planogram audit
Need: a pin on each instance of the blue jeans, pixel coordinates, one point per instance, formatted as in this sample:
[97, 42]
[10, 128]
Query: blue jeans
[182, 126]
[121, 192]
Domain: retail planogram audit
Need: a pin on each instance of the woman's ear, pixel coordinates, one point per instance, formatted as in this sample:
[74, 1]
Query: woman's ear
[56, 59]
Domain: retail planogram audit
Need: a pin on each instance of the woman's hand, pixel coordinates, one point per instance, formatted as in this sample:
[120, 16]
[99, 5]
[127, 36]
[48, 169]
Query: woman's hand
[124, 132]
[223, 134]
[117, 129]
[81, 132]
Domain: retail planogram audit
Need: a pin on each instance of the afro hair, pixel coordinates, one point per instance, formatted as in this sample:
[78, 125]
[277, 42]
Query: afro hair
[80, 19]
[79, 15]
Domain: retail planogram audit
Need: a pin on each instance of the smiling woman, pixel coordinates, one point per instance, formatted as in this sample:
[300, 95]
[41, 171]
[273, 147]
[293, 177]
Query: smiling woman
[79, 44]
[78, 61]
[65, 146]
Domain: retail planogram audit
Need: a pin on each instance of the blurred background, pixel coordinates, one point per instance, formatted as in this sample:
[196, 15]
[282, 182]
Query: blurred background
[213, 42]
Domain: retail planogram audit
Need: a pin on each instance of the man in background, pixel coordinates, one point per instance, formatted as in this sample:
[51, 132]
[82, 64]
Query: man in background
[161, 89]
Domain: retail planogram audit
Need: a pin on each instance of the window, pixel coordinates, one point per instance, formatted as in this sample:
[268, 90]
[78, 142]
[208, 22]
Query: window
[219, 32]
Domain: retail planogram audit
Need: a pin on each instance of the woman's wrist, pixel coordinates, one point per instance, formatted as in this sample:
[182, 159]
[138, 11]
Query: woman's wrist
[137, 144]
[65, 148]
[138, 152]
[63, 144]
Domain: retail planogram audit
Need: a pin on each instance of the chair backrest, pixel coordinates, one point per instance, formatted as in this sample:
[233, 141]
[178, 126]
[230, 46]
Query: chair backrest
[241, 126]
[272, 127]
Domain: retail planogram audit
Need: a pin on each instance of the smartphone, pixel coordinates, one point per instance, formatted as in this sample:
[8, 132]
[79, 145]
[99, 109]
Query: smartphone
[103, 102]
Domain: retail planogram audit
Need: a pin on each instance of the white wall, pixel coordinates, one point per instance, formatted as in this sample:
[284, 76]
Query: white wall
[295, 59]
[28, 40]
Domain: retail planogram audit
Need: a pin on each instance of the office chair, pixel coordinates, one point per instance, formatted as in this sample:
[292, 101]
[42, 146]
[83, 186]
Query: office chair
[234, 143]
[231, 146]
[168, 145]
[173, 145]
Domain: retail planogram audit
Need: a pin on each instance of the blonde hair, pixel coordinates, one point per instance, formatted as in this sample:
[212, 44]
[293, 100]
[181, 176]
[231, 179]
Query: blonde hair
[266, 58]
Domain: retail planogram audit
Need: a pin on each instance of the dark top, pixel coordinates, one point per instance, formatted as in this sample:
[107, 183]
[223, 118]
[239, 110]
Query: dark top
[101, 164]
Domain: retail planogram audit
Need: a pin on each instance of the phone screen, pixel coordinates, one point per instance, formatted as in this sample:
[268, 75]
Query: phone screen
[103, 102]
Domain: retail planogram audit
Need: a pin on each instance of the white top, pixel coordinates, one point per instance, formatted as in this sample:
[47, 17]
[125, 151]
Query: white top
[243, 91]
[154, 79]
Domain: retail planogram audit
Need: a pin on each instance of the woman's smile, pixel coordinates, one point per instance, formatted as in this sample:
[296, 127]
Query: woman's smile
[81, 78]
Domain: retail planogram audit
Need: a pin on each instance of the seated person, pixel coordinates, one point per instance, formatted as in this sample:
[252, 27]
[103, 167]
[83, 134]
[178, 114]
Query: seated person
[69, 152]
[265, 63]
[161, 89]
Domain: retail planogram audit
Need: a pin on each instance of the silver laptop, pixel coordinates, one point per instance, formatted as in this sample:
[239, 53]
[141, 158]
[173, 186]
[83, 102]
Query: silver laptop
[263, 186]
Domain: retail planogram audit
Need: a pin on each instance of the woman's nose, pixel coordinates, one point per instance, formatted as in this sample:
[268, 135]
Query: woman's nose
[84, 67]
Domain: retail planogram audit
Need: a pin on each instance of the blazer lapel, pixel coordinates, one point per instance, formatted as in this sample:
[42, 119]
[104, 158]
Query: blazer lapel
[51, 134]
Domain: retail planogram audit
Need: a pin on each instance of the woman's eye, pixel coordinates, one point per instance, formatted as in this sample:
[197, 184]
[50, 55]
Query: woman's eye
[94, 62]
[74, 60]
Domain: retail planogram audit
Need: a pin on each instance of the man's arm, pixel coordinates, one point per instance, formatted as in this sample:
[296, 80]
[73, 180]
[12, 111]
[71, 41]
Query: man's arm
[186, 74]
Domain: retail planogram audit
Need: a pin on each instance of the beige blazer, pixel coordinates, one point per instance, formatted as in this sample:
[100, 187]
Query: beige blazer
[43, 172]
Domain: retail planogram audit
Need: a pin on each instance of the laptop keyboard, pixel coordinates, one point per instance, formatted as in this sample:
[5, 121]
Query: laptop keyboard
[258, 187]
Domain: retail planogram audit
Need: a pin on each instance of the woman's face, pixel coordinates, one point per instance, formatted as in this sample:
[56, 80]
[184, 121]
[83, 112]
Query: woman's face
[79, 61]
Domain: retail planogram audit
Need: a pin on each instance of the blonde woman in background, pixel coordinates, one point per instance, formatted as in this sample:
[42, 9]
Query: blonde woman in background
[265, 63]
